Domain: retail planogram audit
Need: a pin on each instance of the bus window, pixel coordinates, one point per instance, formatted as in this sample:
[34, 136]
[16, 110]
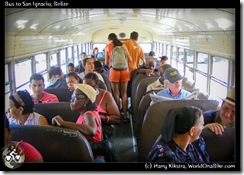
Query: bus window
[174, 58]
[40, 61]
[218, 84]
[76, 56]
[70, 58]
[53, 60]
[63, 61]
[202, 59]
[7, 87]
[201, 82]
[221, 74]
[100, 46]
[146, 47]
[22, 68]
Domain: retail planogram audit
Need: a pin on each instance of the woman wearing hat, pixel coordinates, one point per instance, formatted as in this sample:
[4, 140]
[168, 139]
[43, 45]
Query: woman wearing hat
[217, 120]
[180, 139]
[88, 123]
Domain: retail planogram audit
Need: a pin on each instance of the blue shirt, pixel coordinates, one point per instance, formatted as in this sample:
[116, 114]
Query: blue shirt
[166, 93]
[171, 152]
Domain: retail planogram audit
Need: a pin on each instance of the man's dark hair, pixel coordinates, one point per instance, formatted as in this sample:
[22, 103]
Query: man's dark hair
[36, 76]
[164, 58]
[71, 64]
[134, 35]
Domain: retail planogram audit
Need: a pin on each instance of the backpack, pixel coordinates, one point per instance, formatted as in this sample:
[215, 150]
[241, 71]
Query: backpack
[119, 58]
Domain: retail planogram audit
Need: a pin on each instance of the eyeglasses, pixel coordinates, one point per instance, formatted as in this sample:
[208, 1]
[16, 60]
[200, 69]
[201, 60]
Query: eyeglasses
[77, 96]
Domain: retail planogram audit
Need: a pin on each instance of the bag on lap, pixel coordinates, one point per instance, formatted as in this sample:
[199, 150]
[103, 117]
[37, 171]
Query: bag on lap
[119, 58]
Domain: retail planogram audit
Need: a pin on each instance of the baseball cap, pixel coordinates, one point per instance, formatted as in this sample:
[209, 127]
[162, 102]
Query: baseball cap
[172, 75]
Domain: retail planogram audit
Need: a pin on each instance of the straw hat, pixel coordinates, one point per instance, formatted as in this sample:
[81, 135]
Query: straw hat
[87, 90]
[231, 97]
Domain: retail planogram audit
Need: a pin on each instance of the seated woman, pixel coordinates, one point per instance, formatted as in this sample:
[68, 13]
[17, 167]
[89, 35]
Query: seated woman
[106, 105]
[31, 153]
[71, 79]
[180, 139]
[56, 78]
[21, 110]
[88, 123]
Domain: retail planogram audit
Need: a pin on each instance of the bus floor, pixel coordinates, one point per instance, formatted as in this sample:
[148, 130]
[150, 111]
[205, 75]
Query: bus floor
[125, 142]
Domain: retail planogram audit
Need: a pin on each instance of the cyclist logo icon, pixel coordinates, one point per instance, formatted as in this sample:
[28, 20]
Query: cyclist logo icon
[13, 156]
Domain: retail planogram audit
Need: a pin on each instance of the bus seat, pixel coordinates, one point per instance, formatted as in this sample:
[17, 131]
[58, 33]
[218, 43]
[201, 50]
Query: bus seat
[140, 91]
[50, 110]
[220, 148]
[134, 83]
[155, 116]
[107, 83]
[102, 85]
[142, 108]
[62, 94]
[56, 144]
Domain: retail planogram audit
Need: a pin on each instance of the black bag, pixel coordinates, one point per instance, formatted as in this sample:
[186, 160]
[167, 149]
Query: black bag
[107, 130]
[104, 148]
[100, 148]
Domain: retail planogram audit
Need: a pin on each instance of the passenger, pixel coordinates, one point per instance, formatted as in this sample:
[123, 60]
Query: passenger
[56, 78]
[106, 105]
[101, 54]
[88, 64]
[21, 110]
[174, 85]
[163, 60]
[79, 68]
[117, 77]
[71, 67]
[88, 123]
[32, 155]
[218, 120]
[95, 52]
[71, 79]
[98, 67]
[180, 139]
[135, 51]
[151, 55]
[152, 65]
[38, 94]
[159, 83]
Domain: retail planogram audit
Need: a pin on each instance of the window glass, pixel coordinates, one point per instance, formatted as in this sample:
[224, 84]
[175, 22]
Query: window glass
[217, 91]
[53, 60]
[69, 50]
[41, 63]
[62, 57]
[202, 60]
[201, 82]
[6, 73]
[22, 72]
[220, 69]
[100, 46]
[146, 47]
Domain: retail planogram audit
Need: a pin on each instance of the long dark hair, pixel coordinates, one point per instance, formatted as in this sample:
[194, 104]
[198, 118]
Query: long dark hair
[115, 40]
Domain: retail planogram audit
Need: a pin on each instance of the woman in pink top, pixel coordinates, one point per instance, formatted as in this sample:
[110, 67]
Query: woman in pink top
[88, 123]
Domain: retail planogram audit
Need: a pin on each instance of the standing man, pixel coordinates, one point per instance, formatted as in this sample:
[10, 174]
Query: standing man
[135, 51]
